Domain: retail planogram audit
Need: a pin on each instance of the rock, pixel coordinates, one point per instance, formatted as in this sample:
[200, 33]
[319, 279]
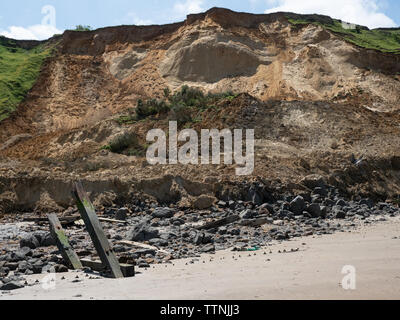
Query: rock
[367, 202]
[285, 214]
[142, 232]
[222, 230]
[47, 240]
[120, 249]
[203, 238]
[222, 204]
[204, 202]
[23, 266]
[29, 241]
[320, 191]
[142, 263]
[234, 232]
[12, 266]
[158, 242]
[313, 181]
[163, 213]
[40, 235]
[208, 248]
[297, 206]
[60, 268]
[247, 214]
[340, 214]
[324, 212]
[23, 253]
[122, 214]
[12, 285]
[144, 252]
[266, 207]
[48, 268]
[341, 203]
[254, 196]
[314, 209]
[281, 236]
[37, 267]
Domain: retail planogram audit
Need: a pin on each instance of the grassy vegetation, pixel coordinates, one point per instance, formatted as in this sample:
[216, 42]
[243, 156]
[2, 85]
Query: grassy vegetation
[184, 106]
[126, 143]
[19, 69]
[83, 28]
[385, 40]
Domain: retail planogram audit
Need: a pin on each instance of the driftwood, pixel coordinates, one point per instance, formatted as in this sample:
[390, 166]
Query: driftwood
[141, 245]
[63, 220]
[219, 223]
[111, 220]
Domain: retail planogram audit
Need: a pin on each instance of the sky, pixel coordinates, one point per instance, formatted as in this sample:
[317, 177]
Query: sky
[40, 19]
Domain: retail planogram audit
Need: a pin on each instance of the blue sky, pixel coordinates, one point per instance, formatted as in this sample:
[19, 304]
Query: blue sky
[23, 19]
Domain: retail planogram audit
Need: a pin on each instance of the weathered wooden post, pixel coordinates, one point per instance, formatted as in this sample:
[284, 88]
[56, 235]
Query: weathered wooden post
[93, 226]
[58, 234]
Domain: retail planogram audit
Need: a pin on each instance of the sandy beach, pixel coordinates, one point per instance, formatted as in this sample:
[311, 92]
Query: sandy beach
[275, 272]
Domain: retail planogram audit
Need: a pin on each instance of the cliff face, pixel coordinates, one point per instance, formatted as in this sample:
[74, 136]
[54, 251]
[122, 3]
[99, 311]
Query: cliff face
[97, 75]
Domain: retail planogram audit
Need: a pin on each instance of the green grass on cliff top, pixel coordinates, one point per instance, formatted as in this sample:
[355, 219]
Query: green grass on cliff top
[384, 40]
[19, 69]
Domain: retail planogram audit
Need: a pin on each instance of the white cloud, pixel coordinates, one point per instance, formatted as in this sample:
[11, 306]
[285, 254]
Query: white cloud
[131, 17]
[182, 9]
[35, 32]
[363, 12]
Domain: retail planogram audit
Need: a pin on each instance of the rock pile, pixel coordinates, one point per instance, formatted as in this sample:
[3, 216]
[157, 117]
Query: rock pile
[171, 233]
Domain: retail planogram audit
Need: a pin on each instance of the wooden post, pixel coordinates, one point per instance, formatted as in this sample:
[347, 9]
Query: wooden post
[93, 226]
[128, 270]
[58, 234]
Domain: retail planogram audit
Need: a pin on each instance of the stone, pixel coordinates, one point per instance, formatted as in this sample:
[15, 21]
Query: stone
[324, 212]
[341, 203]
[314, 209]
[203, 238]
[144, 252]
[247, 214]
[320, 191]
[158, 242]
[367, 202]
[23, 266]
[23, 253]
[222, 230]
[40, 235]
[143, 264]
[163, 213]
[222, 204]
[120, 248]
[266, 207]
[254, 196]
[37, 267]
[204, 202]
[29, 241]
[313, 181]
[122, 214]
[297, 206]
[142, 232]
[12, 266]
[340, 214]
[12, 285]
[208, 248]
[60, 268]
[47, 240]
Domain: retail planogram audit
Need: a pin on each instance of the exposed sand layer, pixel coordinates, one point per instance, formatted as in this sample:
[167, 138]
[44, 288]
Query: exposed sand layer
[314, 272]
